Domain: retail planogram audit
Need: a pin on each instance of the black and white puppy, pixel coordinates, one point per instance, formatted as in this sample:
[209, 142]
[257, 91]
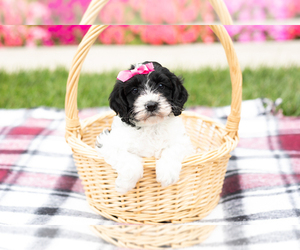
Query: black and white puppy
[147, 124]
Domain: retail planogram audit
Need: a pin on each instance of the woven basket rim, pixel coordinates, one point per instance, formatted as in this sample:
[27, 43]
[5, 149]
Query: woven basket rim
[198, 158]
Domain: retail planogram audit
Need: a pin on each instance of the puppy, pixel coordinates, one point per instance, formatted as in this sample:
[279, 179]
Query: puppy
[147, 99]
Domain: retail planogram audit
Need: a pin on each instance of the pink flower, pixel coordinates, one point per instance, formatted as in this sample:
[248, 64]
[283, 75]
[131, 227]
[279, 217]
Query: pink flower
[259, 14]
[113, 12]
[245, 15]
[169, 11]
[207, 35]
[150, 12]
[279, 32]
[234, 30]
[188, 36]
[259, 36]
[189, 14]
[168, 34]
[135, 4]
[113, 35]
[12, 37]
[151, 34]
[245, 36]
[37, 35]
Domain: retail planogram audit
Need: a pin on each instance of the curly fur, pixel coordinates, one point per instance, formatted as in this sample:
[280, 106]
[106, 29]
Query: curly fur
[147, 125]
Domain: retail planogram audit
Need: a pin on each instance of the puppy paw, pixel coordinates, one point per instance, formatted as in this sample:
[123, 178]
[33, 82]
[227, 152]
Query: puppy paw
[123, 185]
[128, 177]
[167, 172]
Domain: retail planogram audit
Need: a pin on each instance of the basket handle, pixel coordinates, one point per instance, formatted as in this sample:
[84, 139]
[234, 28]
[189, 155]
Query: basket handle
[72, 119]
[95, 6]
[222, 11]
[92, 11]
[234, 117]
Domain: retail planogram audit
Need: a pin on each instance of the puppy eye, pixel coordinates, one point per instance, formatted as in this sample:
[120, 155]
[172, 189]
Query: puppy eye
[134, 91]
[161, 86]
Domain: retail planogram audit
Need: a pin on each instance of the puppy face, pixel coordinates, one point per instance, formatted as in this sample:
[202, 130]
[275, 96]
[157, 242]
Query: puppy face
[147, 99]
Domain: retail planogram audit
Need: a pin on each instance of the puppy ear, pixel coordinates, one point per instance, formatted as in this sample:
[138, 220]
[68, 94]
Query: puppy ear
[180, 95]
[118, 102]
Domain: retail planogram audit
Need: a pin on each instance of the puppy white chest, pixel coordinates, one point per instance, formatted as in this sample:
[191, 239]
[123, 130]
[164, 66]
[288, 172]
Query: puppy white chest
[150, 141]
[145, 141]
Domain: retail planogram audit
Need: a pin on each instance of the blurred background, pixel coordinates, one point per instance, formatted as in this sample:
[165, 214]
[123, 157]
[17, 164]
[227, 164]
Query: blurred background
[35, 61]
[50, 35]
[148, 12]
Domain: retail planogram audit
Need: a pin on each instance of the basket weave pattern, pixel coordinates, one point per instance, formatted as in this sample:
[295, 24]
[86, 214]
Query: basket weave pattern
[192, 196]
[154, 237]
[202, 175]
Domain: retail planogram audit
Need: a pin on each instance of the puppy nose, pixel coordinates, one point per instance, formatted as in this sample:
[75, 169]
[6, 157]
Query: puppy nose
[151, 106]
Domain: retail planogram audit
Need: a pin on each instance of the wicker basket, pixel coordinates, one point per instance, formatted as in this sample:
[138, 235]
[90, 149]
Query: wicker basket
[198, 189]
[95, 6]
[154, 236]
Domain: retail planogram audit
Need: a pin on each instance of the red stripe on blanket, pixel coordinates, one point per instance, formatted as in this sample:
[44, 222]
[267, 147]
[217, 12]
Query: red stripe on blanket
[243, 182]
[286, 142]
[25, 131]
[266, 143]
[41, 180]
[289, 125]
[32, 122]
[290, 142]
[3, 174]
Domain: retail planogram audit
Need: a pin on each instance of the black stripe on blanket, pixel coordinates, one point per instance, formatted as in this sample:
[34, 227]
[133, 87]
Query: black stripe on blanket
[270, 215]
[244, 193]
[279, 236]
[275, 155]
[48, 232]
[50, 211]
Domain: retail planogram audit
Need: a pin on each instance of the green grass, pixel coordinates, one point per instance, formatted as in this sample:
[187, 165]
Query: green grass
[207, 87]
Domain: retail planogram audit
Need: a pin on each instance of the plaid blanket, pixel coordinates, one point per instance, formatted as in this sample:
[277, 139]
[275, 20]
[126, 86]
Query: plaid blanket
[43, 206]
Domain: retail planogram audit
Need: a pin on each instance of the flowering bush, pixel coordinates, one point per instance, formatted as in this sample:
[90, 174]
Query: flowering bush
[66, 12]
[144, 34]
[156, 34]
[23, 35]
[260, 33]
[141, 11]
[260, 10]
[156, 11]
[20, 12]
[66, 35]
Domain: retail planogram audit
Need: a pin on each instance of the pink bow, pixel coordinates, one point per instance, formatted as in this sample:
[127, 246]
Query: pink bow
[143, 69]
